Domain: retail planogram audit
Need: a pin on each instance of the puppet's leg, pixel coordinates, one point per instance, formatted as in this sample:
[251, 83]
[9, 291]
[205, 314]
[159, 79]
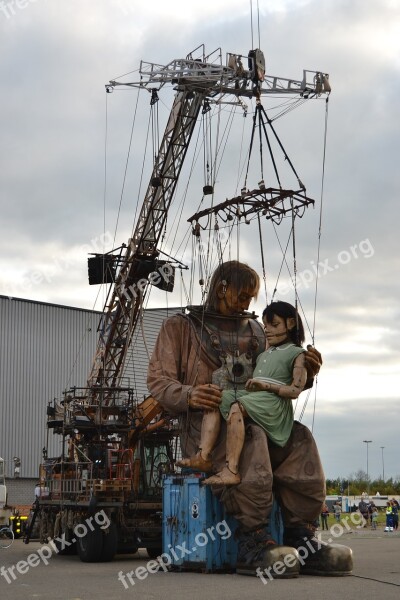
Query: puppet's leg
[209, 432]
[234, 445]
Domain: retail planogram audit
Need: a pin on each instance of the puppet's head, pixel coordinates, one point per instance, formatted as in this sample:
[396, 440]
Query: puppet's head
[283, 323]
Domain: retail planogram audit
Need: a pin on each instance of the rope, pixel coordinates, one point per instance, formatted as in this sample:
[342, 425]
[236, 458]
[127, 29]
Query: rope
[126, 169]
[105, 167]
[279, 142]
[283, 259]
[320, 218]
[262, 258]
[251, 23]
[294, 265]
[142, 172]
[315, 387]
[251, 145]
[261, 109]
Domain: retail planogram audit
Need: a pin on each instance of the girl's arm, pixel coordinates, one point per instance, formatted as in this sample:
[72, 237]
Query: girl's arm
[291, 391]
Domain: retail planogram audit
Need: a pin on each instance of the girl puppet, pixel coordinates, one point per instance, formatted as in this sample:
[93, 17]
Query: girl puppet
[278, 378]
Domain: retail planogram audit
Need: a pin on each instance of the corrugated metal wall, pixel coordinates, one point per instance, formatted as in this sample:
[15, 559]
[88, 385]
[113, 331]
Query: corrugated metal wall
[45, 349]
[142, 347]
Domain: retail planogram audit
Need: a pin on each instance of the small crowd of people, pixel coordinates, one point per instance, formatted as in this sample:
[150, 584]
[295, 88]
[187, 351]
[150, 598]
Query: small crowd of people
[368, 510]
[370, 513]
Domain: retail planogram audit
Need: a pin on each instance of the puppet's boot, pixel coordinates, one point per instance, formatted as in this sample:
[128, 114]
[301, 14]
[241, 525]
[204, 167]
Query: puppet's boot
[224, 477]
[196, 462]
[317, 557]
[209, 433]
[259, 555]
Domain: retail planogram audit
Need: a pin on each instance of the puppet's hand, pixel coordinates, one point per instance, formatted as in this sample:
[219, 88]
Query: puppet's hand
[313, 362]
[205, 397]
[255, 385]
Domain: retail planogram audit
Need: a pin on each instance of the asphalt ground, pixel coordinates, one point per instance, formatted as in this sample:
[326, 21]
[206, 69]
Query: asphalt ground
[376, 576]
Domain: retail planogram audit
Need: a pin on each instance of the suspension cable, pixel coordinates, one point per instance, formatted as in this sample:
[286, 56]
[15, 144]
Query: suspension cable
[280, 144]
[320, 219]
[251, 23]
[126, 167]
[294, 265]
[262, 258]
[260, 110]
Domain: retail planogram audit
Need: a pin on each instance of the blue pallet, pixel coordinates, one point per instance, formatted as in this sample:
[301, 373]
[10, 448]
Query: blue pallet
[197, 533]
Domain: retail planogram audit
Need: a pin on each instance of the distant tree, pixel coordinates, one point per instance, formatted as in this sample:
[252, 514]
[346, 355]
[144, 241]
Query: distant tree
[333, 486]
[357, 483]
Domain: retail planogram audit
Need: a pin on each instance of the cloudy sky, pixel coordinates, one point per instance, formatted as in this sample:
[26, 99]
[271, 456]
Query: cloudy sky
[57, 204]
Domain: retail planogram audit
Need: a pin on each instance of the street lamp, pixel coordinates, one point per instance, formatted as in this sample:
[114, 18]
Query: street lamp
[367, 442]
[383, 465]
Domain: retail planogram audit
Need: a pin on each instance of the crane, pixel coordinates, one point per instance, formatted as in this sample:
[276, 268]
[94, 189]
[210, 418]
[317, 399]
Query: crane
[116, 448]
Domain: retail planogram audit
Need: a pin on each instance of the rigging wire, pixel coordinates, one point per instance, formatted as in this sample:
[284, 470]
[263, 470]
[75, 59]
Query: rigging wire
[258, 24]
[284, 261]
[209, 158]
[220, 147]
[155, 130]
[312, 331]
[262, 258]
[320, 217]
[294, 262]
[251, 23]
[126, 167]
[239, 171]
[215, 168]
[100, 289]
[319, 249]
[142, 172]
[105, 167]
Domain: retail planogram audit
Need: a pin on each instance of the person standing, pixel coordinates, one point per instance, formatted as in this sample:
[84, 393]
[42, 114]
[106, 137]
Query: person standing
[324, 516]
[389, 517]
[395, 514]
[374, 518]
[363, 508]
[337, 510]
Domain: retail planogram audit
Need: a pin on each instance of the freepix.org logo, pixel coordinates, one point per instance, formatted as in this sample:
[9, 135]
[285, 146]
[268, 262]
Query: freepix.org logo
[175, 553]
[308, 549]
[56, 545]
[307, 277]
[9, 9]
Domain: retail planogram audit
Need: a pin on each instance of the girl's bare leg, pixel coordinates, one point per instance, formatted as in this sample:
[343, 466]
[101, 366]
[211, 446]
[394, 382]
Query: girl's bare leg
[234, 445]
[209, 433]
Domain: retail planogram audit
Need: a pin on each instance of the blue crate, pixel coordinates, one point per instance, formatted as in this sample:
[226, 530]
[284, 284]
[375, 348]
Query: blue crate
[197, 533]
[194, 525]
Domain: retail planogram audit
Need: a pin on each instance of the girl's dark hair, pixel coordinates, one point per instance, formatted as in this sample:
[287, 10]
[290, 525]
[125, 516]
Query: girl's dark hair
[286, 311]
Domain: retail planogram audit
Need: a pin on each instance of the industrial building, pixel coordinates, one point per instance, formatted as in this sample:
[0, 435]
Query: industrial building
[46, 349]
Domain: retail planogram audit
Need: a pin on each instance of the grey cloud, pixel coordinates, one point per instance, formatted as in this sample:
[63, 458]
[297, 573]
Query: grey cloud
[53, 67]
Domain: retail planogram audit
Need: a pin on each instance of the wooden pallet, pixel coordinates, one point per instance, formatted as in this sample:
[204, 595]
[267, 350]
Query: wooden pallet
[112, 486]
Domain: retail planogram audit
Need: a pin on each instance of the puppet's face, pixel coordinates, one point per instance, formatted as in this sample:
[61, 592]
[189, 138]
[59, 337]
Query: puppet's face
[277, 331]
[232, 302]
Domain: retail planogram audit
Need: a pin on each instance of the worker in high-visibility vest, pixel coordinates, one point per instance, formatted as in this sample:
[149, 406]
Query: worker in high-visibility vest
[389, 517]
